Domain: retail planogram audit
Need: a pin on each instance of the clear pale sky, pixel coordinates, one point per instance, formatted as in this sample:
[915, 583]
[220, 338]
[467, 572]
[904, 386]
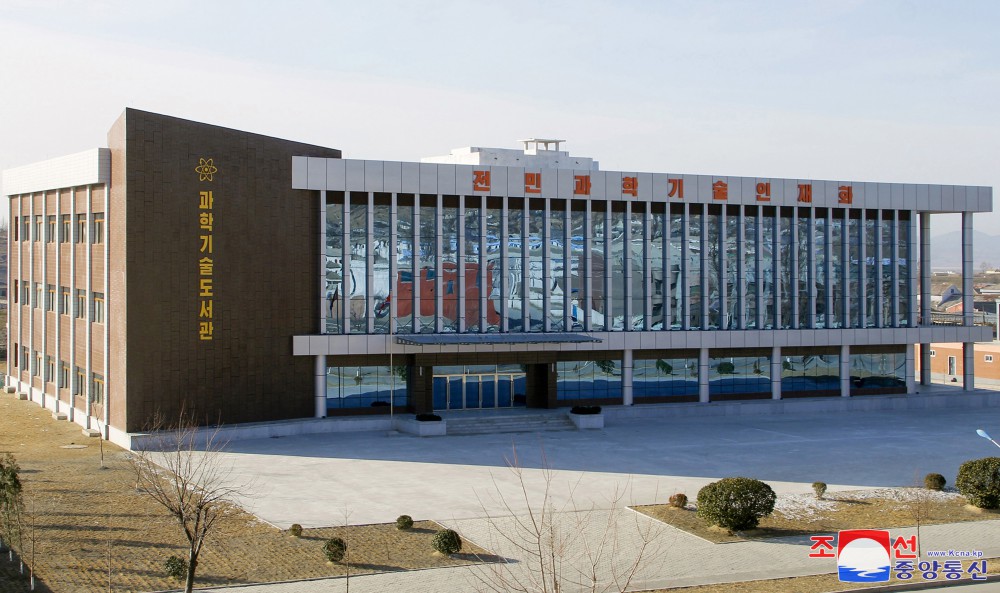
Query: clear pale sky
[856, 90]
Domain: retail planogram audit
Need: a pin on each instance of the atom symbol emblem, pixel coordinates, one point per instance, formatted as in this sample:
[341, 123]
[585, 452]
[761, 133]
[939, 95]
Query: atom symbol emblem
[205, 169]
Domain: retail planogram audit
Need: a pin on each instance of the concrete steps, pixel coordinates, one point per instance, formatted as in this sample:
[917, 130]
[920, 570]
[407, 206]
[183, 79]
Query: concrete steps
[508, 423]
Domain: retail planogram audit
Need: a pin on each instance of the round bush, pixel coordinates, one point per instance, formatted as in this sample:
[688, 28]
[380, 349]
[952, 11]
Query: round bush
[726, 368]
[934, 482]
[177, 568]
[447, 541]
[335, 548]
[404, 522]
[819, 489]
[678, 500]
[979, 482]
[735, 503]
[295, 530]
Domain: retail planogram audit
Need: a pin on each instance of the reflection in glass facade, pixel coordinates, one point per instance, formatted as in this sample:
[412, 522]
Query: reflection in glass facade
[665, 377]
[738, 375]
[474, 264]
[878, 370]
[589, 379]
[818, 371]
[365, 387]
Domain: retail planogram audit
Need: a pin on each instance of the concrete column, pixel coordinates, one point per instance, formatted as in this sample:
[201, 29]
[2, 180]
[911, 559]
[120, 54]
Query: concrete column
[71, 312]
[627, 378]
[89, 370]
[776, 372]
[969, 366]
[107, 311]
[703, 375]
[685, 304]
[460, 259]
[320, 386]
[910, 370]
[504, 271]
[968, 348]
[586, 288]
[925, 364]
[845, 371]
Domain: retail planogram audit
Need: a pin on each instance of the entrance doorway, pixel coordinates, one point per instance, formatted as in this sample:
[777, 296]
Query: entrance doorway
[476, 387]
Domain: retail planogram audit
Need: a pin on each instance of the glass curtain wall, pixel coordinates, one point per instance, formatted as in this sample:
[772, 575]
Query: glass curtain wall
[640, 243]
[618, 252]
[334, 293]
[665, 377]
[427, 262]
[579, 290]
[356, 278]
[515, 272]
[380, 241]
[494, 265]
[404, 272]
[598, 258]
[659, 267]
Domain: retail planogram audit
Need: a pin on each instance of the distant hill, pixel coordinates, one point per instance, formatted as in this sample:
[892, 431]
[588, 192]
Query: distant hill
[946, 250]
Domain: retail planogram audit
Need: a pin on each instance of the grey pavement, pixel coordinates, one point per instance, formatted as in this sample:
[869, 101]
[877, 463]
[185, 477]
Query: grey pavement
[331, 479]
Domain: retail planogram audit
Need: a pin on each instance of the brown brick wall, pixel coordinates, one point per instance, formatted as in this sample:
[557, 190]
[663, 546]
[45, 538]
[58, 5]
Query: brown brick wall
[265, 250]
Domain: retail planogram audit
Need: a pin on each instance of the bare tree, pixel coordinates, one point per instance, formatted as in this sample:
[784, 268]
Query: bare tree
[182, 469]
[569, 548]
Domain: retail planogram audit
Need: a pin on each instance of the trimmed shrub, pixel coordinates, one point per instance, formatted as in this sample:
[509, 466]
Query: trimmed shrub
[979, 482]
[735, 503]
[177, 568]
[585, 410]
[934, 482]
[295, 530]
[447, 541]
[334, 549]
[819, 488]
[726, 368]
[678, 500]
[404, 522]
[426, 417]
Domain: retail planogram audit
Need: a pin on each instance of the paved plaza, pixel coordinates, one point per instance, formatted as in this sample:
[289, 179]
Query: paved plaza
[330, 479]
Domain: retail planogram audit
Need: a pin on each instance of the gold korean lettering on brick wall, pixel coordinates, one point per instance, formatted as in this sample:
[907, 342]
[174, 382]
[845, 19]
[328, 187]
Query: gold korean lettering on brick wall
[206, 252]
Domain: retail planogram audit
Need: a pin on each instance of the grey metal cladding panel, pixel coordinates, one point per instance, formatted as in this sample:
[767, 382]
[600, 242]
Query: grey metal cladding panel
[597, 185]
[550, 183]
[428, 178]
[300, 172]
[336, 175]
[446, 179]
[613, 185]
[645, 186]
[897, 201]
[660, 187]
[373, 176]
[515, 181]
[355, 176]
[316, 172]
[565, 183]
[392, 178]
[789, 192]
[501, 181]
[828, 194]
[463, 179]
[411, 178]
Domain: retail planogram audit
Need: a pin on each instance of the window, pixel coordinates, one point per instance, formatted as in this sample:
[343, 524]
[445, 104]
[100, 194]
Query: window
[50, 231]
[63, 375]
[65, 229]
[25, 294]
[81, 228]
[15, 359]
[988, 358]
[16, 227]
[933, 353]
[38, 227]
[36, 366]
[50, 369]
[26, 228]
[24, 358]
[64, 301]
[97, 388]
[97, 234]
[39, 295]
[15, 292]
[80, 312]
[50, 297]
[79, 379]
[98, 313]
[952, 365]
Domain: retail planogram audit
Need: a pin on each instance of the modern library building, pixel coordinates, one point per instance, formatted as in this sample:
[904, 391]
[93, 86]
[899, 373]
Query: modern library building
[246, 278]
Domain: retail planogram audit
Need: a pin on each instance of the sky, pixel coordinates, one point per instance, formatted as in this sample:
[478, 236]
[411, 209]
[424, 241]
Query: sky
[846, 89]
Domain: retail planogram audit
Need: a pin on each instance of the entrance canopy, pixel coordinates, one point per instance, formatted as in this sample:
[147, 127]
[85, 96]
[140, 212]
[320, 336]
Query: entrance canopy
[510, 338]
